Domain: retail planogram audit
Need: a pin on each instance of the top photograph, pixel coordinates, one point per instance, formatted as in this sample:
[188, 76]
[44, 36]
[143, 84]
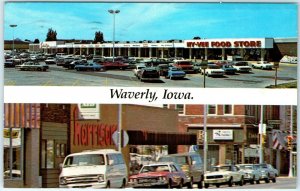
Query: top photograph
[190, 45]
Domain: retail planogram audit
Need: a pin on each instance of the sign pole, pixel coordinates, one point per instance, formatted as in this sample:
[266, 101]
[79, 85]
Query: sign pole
[261, 153]
[291, 149]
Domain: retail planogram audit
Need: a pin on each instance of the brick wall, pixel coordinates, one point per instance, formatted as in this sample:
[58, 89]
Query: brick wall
[58, 113]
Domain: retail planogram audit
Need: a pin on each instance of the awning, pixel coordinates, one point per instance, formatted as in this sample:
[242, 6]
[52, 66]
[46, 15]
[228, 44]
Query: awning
[279, 139]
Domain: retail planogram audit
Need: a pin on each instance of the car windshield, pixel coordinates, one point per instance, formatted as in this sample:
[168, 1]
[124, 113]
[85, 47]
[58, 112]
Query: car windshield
[184, 63]
[213, 66]
[221, 168]
[241, 64]
[155, 168]
[84, 160]
[246, 167]
[228, 66]
[175, 69]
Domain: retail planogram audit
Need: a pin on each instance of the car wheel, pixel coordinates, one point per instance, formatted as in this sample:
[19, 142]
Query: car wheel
[230, 182]
[241, 182]
[274, 180]
[190, 184]
[200, 184]
[39, 69]
[102, 69]
[252, 180]
[77, 69]
[169, 185]
[206, 185]
[267, 180]
[123, 184]
[218, 185]
[180, 184]
[108, 185]
[257, 182]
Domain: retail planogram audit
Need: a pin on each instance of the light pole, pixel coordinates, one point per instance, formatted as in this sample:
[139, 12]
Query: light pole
[13, 46]
[291, 149]
[261, 153]
[114, 12]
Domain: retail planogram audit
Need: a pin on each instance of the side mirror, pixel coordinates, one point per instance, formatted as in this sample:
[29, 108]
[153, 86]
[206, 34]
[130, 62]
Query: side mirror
[111, 162]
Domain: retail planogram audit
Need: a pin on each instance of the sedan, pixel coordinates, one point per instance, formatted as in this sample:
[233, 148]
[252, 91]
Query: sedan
[267, 172]
[252, 173]
[262, 65]
[32, 66]
[89, 66]
[174, 72]
[162, 174]
[224, 174]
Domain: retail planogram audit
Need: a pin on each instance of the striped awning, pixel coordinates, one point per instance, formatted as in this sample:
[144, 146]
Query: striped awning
[279, 138]
[21, 115]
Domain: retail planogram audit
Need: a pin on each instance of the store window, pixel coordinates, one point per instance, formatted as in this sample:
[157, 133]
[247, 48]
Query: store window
[180, 108]
[228, 110]
[212, 109]
[13, 153]
[47, 154]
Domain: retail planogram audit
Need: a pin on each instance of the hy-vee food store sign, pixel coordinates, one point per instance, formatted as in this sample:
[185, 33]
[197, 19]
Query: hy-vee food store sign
[230, 43]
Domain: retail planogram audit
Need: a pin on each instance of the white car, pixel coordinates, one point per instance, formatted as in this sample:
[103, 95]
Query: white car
[242, 66]
[104, 168]
[252, 173]
[268, 172]
[213, 70]
[263, 65]
[138, 69]
[224, 174]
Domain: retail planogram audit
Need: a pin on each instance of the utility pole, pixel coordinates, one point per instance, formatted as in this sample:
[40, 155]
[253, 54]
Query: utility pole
[291, 149]
[261, 153]
[205, 139]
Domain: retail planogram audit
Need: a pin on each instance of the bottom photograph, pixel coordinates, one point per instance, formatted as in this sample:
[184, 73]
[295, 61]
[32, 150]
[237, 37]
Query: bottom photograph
[89, 145]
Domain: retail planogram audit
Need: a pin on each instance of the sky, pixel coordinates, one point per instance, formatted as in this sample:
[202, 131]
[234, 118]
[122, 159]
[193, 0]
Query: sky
[150, 21]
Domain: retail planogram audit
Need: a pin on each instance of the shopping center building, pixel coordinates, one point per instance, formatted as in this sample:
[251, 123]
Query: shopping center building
[270, 49]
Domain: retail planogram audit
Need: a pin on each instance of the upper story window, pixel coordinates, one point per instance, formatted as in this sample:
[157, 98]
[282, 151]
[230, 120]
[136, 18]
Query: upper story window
[228, 109]
[180, 108]
[212, 109]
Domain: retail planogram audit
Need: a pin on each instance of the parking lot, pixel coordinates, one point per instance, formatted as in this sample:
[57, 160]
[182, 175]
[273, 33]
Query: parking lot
[59, 76]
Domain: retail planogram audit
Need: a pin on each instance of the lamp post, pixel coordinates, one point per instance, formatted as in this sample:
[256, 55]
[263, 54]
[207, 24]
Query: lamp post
[114, 12]
[13, 46]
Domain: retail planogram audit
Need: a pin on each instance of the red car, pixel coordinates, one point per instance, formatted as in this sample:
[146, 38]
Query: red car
[186, 65]
[115, 64]
[162, 174]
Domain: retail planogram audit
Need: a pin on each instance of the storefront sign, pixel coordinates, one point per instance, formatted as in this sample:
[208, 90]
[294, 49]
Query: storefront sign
[88, 111]
[222, 134]
[93, 134]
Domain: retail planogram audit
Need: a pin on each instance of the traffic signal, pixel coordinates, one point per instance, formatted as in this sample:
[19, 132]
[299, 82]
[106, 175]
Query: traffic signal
[289, 142]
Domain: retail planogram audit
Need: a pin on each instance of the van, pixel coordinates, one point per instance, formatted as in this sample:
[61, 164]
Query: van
[190, 163]
[103, 168]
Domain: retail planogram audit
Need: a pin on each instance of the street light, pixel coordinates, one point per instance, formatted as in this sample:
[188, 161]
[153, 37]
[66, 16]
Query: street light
[13, 46]
[114, 12]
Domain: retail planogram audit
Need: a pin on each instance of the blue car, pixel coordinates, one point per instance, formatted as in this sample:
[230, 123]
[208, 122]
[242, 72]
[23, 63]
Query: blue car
[89, 67]
[174, 72]
[229, 69]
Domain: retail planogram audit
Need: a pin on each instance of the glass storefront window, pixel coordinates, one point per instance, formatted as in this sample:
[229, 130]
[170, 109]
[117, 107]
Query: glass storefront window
[47, 154]
[13, 153]
[212, 109]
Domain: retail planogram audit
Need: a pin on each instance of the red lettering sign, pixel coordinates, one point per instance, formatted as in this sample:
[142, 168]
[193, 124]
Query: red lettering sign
[93, 134]
[247, 44]
[221, 44]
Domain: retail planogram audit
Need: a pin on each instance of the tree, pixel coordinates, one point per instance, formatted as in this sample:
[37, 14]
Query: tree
[36, 41]
[197, 38]
[98, 37]
[51, 35]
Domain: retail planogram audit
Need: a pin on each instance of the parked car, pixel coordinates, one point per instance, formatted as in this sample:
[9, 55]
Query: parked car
[242, 66]
[50, 60]
[166, 174]
[115, 64]
[148, 74]
[252, 173]
[89, 67]
[212, 70]
[267, 172]
[224, 174]
[138, 69]
[71, 65]
[9, 64]
[227, 67]
[104, 168]
[32, 66]
[174, 72]
[185, 65]
[262, 65]
[197, 66]
[163, 69]
[190, 163]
